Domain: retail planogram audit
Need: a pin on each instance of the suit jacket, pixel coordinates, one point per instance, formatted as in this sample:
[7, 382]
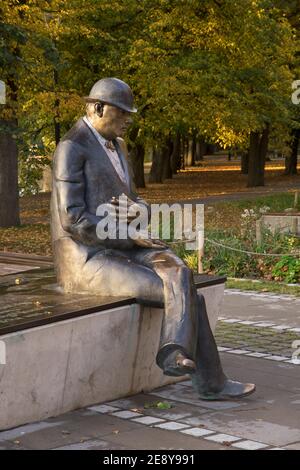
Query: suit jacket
[83, 178]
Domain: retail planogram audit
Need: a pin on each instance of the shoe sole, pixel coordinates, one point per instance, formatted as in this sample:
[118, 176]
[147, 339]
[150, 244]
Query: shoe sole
[217, 397]
[178, 372]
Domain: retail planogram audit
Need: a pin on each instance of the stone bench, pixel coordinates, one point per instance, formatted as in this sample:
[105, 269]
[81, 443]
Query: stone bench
[65, 352]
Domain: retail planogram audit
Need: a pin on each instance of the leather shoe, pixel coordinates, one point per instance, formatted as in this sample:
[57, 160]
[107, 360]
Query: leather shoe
[230, 391]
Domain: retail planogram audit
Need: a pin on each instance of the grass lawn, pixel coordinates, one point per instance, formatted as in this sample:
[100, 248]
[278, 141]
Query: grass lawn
[227, 215]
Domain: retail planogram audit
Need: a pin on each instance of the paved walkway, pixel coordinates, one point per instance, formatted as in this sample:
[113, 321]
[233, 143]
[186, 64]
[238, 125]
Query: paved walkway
[278, 309]
[14, 263]
[241, 195]
[268, 419]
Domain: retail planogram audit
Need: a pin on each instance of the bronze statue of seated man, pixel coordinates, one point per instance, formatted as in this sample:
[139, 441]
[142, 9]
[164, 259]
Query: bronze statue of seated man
[91, 168]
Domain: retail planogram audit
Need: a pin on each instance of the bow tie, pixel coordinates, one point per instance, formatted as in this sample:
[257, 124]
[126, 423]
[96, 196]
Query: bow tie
[109, 145]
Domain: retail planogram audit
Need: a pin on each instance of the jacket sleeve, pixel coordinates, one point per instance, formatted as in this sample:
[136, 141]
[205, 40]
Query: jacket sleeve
[69, 184]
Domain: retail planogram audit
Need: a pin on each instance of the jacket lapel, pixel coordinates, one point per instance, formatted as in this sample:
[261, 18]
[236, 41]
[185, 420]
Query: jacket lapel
[98, 146]
[123, 160]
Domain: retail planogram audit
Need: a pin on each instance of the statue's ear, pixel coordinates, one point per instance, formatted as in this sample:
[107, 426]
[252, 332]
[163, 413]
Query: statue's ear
[99, 109]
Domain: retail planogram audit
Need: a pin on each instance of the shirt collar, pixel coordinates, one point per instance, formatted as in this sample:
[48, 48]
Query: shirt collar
[95, 132]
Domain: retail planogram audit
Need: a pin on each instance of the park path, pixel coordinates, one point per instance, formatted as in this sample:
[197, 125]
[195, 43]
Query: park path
[279, 309]
[238, 196]
[268, 419]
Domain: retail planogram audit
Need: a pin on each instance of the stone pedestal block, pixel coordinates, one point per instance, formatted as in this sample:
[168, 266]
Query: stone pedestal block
[62, 366]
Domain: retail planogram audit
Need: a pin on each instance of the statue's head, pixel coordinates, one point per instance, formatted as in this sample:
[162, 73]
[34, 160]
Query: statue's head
[109, 107]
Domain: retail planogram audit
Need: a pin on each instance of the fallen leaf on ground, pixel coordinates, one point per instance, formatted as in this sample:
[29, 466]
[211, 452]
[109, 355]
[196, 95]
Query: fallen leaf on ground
[226, 443]
[136, 410]
[162, 405]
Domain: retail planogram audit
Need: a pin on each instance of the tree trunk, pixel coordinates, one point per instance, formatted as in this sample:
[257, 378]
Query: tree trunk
[291, 161]
[9, 189]
[263, 151]
[136, 150]
[137, 155]
[167, 152]
[211, 149]
[186, 147]
[156, 171]
[257, 157]
[9, 195]
[200, 149]
[189, 153]
[57, 133]
[245, 163]
[182, 154]
[194, 144]
[176, 154]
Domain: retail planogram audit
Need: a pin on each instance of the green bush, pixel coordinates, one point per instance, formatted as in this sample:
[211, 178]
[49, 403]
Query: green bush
[287, 269]
[225, 261]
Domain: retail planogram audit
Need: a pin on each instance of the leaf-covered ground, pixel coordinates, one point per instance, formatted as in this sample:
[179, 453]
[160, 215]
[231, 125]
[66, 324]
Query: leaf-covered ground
[33, 236]
[215, 177]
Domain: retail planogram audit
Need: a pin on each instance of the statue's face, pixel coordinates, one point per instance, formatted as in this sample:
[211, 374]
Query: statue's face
[115, 121]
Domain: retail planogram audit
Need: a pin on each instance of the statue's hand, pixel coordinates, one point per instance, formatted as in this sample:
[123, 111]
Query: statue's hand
[148, 243]
[120, 212]
[122, 209]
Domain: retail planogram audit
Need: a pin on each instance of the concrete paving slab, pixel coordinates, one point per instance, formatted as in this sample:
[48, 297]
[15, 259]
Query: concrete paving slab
[160, 439]
[72, 428]
[147, 404]
[103, 408]
[171, 426]
[249, 445]
[222, 438]
[189, 396]
[246, 306]
[295, 446]
[6, 269]
[126, 414]
[87, 445]
[148, 420]
[197, 432]
[270, 417]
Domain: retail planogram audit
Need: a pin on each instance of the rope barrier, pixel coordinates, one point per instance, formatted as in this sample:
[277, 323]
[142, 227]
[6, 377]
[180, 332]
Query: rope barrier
[297, 254]
[252, 253]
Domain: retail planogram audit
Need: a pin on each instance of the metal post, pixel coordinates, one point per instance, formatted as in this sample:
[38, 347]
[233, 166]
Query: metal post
[258, 231]
[296, 199]
[200, 250]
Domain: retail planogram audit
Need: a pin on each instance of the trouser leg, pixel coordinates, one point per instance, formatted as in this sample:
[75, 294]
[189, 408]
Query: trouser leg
[185, 325]
[209, 374]
[162, 277]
